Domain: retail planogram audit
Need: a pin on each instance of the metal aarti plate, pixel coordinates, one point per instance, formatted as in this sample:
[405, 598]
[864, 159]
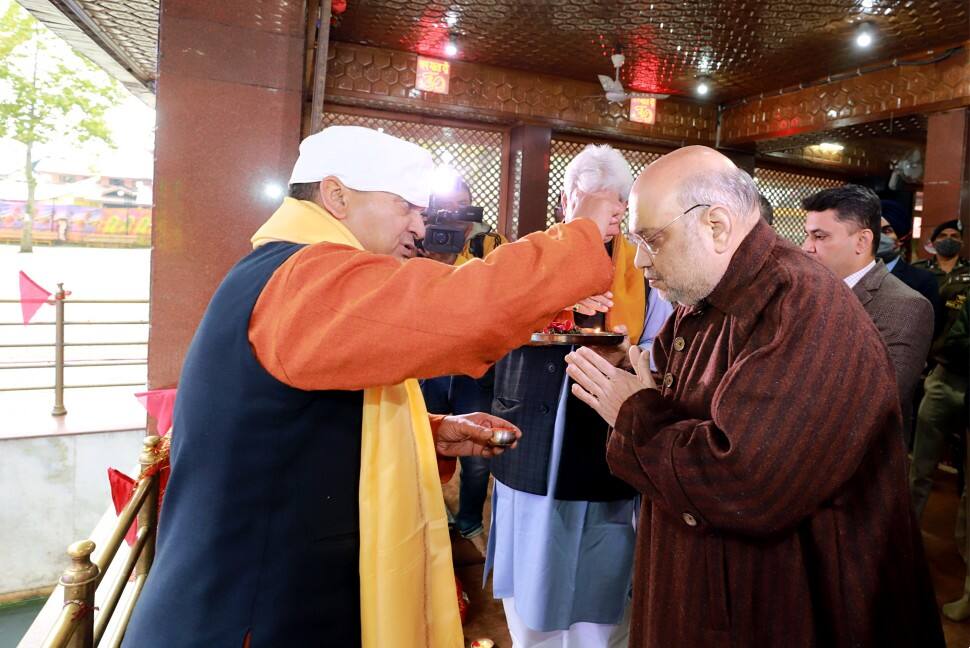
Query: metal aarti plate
[576, 339]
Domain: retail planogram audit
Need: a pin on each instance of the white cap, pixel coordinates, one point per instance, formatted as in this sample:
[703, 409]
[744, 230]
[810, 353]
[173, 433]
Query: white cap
[366, 160]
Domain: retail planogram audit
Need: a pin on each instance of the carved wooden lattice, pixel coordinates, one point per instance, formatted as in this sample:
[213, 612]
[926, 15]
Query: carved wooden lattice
[563, 151]
[476, 155]
[785, 191]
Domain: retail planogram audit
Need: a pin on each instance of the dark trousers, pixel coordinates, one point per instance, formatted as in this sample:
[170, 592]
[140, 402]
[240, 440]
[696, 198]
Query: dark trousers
[471, 496]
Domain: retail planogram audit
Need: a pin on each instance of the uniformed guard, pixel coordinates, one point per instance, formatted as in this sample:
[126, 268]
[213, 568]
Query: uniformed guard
[942, 407]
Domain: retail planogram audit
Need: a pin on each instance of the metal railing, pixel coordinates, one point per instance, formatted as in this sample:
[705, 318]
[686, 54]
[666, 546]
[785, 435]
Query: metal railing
[59, 301]
[78, 626]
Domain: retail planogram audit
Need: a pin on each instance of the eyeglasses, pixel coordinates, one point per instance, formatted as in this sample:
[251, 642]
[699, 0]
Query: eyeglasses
[647, 243]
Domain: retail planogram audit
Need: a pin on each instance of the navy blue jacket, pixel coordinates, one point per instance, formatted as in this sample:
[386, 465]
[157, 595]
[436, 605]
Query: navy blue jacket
[259, 526]
[527, 388]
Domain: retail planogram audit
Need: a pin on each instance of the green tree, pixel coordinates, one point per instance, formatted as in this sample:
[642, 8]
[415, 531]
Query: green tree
[47, 92]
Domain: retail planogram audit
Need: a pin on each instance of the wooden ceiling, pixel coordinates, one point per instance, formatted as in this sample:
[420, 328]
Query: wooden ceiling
[746, 46]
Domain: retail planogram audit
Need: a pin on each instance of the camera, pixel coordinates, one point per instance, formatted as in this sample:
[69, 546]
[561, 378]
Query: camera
[445, 230]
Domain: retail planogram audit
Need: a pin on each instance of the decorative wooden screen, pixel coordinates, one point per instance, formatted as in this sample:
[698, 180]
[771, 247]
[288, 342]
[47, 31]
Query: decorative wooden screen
[785, 191]
[476, 155]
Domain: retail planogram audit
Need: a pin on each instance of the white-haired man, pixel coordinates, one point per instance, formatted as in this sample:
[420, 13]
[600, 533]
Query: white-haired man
[562, 535]
[775, 509]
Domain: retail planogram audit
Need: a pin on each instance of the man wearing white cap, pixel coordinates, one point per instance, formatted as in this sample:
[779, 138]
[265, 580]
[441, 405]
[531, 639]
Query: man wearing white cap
[304, 506]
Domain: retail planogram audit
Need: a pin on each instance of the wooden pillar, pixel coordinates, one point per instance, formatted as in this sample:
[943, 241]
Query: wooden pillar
[530, 149]
[228, 106]
[946, 181]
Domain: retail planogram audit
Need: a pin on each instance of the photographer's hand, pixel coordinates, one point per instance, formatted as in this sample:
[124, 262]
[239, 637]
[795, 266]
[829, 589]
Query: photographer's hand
[601, 207]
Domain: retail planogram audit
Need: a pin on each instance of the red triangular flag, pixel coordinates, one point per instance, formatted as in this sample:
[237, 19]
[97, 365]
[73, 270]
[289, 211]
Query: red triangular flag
[32, 297]
[159, 403]
[122, 489]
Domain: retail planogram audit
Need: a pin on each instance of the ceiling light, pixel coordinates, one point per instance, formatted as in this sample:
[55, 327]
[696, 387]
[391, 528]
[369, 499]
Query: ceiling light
[832, 113]
[830, 147]
[703, 86]
[451, 48]
[864, 36]
[867, 4]
[451, 18]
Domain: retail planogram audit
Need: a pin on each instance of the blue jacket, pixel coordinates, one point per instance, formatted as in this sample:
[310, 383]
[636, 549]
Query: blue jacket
[923, 282]
[259, 526]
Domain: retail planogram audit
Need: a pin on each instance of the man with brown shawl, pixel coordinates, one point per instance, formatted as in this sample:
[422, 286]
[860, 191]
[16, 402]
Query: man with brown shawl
[769, 455]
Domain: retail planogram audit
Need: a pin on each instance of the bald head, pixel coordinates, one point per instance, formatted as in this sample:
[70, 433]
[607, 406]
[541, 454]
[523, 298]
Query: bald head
[677, 166]
[696, 175]
[693, 208]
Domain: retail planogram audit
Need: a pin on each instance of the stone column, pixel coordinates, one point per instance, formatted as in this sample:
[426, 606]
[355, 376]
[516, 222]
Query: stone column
[229, 98]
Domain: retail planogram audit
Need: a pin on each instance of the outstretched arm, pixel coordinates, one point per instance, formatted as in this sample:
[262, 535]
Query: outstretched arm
[333, 317]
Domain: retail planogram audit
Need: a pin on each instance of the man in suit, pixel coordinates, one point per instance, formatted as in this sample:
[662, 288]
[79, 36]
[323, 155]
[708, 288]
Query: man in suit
[897, 226]
[842, 227]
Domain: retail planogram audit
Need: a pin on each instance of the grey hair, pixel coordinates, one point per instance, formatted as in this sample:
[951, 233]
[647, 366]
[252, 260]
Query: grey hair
[598, 168]
[733, 189]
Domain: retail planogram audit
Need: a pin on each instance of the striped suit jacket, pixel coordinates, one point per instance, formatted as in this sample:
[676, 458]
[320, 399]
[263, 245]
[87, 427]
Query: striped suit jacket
[776, 511]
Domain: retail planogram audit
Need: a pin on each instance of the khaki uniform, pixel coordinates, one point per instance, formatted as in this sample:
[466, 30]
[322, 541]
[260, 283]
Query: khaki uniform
[941, 411]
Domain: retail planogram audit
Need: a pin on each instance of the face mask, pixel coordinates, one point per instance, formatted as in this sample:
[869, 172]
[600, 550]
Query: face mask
[887, 248]
[948, 247]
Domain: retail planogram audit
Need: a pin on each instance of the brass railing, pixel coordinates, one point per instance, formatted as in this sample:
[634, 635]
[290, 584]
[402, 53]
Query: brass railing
[81, 624]
[59, 300]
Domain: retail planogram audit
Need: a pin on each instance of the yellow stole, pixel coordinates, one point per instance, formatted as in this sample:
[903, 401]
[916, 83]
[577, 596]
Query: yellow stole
[629, 292]
[407, 582]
